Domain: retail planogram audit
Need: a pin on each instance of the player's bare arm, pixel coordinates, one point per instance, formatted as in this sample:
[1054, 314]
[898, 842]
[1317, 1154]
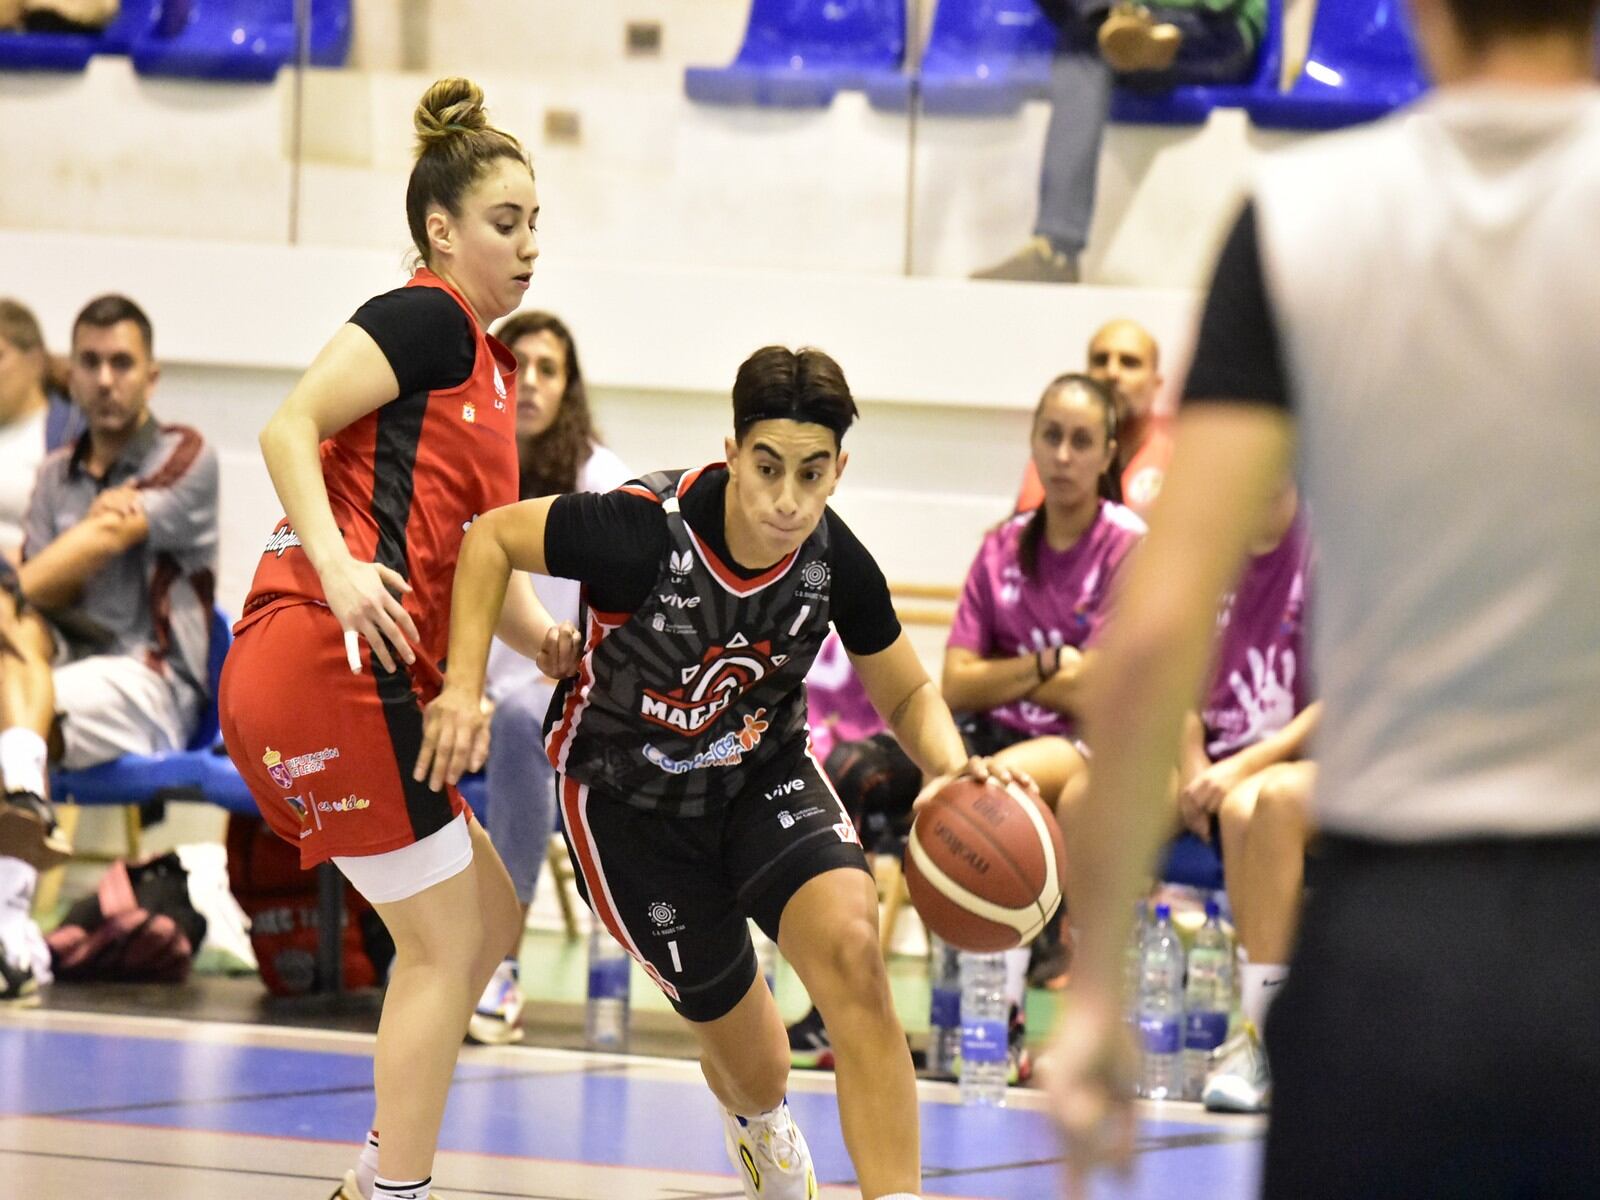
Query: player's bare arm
[919, 718]
[1228, 462]
[455, 733]
[348, 379]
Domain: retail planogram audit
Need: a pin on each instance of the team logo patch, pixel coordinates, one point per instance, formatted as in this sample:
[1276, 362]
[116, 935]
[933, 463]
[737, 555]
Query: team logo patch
[679, 562]
[284, 771]
[786, 819]
[298, 805]
[816, 574]
[348, 804]
[662, 913]
[727, 751]
[723, 674]
[469, 413]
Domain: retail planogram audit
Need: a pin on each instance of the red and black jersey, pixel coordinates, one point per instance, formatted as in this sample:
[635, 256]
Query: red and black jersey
[694, 690]
[407, 480]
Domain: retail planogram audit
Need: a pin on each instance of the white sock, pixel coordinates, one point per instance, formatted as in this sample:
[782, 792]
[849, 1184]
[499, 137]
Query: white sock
[1017, 977]
[22, 760]
[367, 1165]
[772, 1114]
[1259, 984]
[388, 1189]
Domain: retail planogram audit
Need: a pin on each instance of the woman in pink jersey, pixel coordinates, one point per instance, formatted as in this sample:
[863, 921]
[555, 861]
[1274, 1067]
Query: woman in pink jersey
[399, 435]
[1039, 591]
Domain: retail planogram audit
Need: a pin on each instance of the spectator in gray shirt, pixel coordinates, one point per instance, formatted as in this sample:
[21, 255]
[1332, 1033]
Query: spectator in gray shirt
[104, 628]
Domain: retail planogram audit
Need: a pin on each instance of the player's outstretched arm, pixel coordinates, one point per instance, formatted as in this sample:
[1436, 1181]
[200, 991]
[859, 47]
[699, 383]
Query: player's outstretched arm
[1228, 461]
[917, 715]
[455, 725]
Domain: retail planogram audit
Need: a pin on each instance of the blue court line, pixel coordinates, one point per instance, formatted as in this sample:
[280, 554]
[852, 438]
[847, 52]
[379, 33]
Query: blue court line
[576, 1116]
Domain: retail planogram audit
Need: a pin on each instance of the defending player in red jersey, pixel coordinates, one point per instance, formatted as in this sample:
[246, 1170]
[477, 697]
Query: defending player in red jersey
[691, 796]
[395, 440]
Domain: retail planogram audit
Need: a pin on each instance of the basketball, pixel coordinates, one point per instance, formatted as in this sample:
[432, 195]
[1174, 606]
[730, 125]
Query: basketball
[984, 865]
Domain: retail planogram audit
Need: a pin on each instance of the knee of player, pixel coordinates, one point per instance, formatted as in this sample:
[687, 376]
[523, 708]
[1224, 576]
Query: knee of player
[1234, 815]
[852, 963]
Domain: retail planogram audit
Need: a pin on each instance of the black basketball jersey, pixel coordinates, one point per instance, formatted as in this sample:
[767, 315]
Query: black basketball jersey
[677, 705]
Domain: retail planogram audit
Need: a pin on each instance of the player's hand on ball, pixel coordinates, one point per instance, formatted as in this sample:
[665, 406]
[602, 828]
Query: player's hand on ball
[455, 737]
[365, 598]
[1089, 1073]
[559, 655]
[980, 769]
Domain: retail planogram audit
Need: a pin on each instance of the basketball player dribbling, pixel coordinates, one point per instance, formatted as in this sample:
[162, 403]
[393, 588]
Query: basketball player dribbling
[395, 439]
[690, 793]
[1409, 309]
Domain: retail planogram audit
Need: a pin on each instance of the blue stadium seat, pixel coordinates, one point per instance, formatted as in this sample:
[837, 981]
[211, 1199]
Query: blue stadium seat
[987, 57]
[1191, 104]
[983, 58]
[72, 51]
[198, 772]
[800, 53]
[242, 40]
[1192, 862]
[1362, 64]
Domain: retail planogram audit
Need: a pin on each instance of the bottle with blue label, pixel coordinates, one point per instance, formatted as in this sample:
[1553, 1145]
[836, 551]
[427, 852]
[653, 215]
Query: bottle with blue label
[605, 1023]
[983, 1029]
[1161, 1009]
[1207, 1000]
[944, 1009]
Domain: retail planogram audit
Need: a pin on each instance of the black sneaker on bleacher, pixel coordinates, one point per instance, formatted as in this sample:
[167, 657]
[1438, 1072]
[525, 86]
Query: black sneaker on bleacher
[809, 1047]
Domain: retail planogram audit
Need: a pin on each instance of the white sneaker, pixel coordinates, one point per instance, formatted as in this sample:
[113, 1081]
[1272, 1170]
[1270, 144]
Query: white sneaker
[348, 1190]
[498, 1019]
[1240, 1080]
[770, 1155]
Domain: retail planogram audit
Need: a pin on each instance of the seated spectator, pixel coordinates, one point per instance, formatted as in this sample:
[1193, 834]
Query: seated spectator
[32, 422]
[1125, 357]
[105, 625]
[559, 452]
[1246, 775]
[33, 419]
[1151, 47]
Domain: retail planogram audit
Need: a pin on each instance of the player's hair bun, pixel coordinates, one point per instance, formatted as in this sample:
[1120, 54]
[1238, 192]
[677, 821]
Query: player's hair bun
[451, 108]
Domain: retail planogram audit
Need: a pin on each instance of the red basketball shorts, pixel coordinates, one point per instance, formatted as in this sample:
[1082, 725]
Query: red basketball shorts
[328, 753]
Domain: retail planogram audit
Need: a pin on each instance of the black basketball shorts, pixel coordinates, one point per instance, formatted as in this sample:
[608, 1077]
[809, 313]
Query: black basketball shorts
[676, 891]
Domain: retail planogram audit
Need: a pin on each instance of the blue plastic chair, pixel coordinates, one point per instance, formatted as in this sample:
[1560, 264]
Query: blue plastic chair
[72, 51]
[1192, 862]
[984, 58]
[198, 772]
[242, 40]
[1362, 64]
[1191, 103]
[800, 53]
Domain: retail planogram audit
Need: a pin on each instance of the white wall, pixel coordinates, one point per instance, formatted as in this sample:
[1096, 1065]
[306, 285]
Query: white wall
[652, 178]
[946, 372]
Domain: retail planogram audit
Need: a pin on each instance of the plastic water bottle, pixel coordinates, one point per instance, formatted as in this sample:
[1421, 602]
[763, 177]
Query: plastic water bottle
[1161, 1009]
[605, 1018]
[1207, 1000]
[983, 1028]
[944, 1012]
[1132, 965]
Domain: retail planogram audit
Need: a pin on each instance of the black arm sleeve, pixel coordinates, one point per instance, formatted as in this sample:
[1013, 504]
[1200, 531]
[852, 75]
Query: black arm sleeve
[613, 542]
[862, 611]
[1239, 357]
[426, 336]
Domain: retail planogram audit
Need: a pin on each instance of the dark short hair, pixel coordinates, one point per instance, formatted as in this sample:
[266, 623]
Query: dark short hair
[105, 311]
[1483, 21]
[776, 383]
